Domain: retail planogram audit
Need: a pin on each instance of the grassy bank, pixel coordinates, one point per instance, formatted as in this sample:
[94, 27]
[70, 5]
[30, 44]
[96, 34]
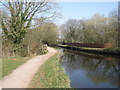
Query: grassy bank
[50, 75]
[9, 64]
[112, 51]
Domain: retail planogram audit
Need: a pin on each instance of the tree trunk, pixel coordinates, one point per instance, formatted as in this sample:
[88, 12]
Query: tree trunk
[119, 24]
[28, 50]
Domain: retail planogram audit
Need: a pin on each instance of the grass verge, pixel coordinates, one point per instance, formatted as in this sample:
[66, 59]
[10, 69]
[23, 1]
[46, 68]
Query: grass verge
[9, 64]
[50, 75]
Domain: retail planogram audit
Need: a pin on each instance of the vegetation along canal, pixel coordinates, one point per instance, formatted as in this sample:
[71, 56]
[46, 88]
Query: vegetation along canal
[86, 70]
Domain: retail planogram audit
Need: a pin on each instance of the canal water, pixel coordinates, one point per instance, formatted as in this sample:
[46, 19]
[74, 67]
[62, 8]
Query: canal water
[86, 70]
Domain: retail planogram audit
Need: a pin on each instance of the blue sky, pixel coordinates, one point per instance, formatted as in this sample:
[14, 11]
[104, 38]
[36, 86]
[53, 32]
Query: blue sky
[78, 10]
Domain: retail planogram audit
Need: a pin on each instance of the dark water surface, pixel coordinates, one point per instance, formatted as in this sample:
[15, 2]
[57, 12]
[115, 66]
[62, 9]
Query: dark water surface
[90, 70]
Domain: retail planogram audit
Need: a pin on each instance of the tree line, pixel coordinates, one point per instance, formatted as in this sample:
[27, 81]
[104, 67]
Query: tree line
[27, 26]
[97, 29]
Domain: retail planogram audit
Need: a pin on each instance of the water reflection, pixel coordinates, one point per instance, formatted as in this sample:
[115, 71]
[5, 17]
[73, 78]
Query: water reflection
[90, 71]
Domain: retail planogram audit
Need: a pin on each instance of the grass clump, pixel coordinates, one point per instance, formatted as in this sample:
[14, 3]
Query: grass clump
[50, 75]
[45, 52]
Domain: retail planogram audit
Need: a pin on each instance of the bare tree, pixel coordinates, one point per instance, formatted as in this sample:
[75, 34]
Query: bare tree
[21, 17]
[119, 24]
[113, 25]
[71, 30]
[97, 29]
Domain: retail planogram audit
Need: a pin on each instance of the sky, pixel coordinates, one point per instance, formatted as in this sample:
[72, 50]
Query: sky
[79, 10]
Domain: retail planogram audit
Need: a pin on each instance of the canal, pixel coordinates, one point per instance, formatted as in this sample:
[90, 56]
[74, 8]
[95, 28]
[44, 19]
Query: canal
[86, 70]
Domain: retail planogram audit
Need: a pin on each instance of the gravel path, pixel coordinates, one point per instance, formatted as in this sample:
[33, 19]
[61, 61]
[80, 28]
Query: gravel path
[21, 77]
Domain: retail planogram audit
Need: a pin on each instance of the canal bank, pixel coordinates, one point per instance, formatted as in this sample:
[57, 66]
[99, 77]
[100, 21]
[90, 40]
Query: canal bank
[111, 51]
[51, 75]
